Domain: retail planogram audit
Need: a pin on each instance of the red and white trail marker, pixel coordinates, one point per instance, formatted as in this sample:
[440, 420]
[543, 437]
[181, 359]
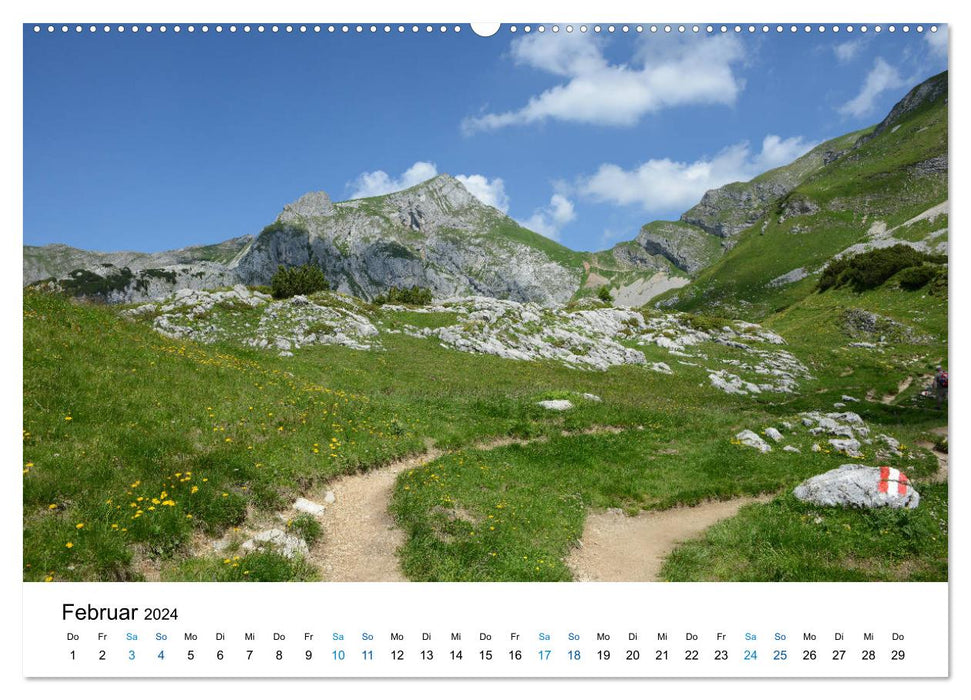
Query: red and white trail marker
[888, 475]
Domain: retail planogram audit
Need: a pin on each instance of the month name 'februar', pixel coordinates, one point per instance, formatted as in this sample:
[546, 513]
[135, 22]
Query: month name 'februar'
[91, 613]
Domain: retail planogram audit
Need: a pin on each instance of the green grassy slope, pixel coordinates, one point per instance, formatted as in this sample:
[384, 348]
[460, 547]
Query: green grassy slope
[138, 450]
[881, 180]
[152, 446]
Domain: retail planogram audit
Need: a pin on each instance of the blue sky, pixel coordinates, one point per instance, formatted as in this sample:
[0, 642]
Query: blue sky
[150, 141]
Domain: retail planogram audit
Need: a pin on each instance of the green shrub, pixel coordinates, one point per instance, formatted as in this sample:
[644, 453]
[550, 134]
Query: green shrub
[705, 323]
[913, 278]
[291, 281]
[871, 269]
[604, 295]
[415, 296]
[831, 275]
[157, 273]
[938, 286]
[84, 283]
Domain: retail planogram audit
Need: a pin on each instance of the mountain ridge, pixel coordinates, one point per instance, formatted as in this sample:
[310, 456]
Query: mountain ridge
[436, 234]
[890, 187]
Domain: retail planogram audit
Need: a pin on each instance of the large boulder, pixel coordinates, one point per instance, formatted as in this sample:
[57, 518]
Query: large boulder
[859, 486]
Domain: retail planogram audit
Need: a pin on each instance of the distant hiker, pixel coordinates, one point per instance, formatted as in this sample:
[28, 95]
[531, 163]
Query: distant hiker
[940, 386]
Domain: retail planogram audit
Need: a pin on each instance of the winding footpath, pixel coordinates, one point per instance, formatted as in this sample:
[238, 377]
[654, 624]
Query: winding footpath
[361, 540]
[617, 547]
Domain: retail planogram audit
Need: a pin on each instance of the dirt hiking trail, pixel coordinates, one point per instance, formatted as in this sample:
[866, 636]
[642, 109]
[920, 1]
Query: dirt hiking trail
[361, 539]
[617, 547]
[942, 469]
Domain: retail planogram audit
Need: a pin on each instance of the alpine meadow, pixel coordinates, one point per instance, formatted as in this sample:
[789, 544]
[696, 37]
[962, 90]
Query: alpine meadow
[417, 386]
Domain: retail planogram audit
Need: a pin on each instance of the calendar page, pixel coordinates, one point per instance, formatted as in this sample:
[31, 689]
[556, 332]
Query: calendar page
[429, 349]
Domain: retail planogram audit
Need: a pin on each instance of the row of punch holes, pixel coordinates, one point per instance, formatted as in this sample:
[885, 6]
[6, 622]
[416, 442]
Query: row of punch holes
[442, 29]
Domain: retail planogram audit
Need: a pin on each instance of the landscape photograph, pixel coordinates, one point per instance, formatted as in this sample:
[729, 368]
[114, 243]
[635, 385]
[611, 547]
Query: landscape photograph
[405, 303]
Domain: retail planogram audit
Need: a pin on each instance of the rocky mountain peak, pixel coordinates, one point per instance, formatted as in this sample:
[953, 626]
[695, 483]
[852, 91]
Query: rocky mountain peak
[440, 201]
[309, 205]
[443, 193]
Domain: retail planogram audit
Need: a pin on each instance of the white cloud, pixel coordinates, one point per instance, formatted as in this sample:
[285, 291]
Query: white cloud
[566, 54]
[378, 182]
[664, 184]
[882, 77]
[937, 41]
[677, 71]
[491, 192]
[776, 151]
[548, 220]
[848, 50]
[372, 184]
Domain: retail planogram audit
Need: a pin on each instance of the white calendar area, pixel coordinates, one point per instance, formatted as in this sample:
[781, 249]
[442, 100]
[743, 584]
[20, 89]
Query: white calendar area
[485, 630]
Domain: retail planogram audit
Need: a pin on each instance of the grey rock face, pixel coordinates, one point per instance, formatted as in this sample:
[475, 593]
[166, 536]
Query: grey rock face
[932, 166]
[797, 206]
[58, 261]
[687, 247]
[859, 486]
[634, 255]
[729, 210]
[774, 434]
[114, 285]
[831, 155]
[310, 204]
[434, 235]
